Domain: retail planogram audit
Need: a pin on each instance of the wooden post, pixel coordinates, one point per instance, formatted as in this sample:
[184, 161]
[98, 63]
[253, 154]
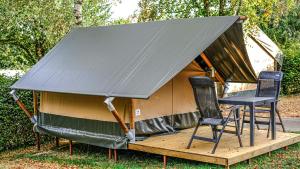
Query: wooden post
[109, 154]
[35, 110]
[249, 161]
[115, 155]
[120, 120]
[132, 114]
[165, 161]
[243, 18]
[35, 102]
[22, 106]
[71, 147]
[38, 141]
[56, 141]
[208, 63]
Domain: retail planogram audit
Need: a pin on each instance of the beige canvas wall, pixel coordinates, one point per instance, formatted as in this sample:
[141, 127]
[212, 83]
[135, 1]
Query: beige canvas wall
[174, 97]
[82, 106]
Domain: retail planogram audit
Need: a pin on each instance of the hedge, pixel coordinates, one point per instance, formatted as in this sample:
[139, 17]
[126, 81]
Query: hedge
[15, 127]
[291, 69]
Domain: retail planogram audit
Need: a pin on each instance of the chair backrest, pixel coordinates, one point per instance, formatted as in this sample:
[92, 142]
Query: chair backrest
[268, 84]
[205, 96]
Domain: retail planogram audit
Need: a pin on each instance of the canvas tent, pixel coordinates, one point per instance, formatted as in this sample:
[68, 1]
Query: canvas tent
[264, 55]
[145, 66]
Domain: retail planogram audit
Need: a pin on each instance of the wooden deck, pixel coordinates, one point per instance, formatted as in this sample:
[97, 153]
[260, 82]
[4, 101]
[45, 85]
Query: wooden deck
[227, 153]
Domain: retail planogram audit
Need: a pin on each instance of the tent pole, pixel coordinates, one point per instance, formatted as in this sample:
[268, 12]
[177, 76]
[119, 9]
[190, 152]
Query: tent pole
[56, 141]
[38, 141]
[109, 154]
[165, 161]
[206, 60]
[112, 109]
[35, 102]
[71, 147]
[35, 110]
[22, 106]
[132, 120]
[115, 155]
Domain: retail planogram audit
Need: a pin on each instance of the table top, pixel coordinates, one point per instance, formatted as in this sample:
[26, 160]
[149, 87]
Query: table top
[245, 100]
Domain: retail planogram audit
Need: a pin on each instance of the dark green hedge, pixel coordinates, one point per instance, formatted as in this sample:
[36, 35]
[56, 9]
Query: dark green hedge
[15, 127]
[291, 69]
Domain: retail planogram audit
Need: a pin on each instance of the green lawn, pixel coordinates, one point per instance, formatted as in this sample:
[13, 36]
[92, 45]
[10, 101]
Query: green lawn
[86, 156]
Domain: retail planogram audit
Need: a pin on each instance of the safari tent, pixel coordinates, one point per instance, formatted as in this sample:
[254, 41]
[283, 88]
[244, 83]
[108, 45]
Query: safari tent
[263, 54]
[111, 85]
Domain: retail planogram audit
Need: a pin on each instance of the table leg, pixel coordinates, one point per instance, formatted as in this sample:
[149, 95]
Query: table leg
[273, 121]
[252, 123]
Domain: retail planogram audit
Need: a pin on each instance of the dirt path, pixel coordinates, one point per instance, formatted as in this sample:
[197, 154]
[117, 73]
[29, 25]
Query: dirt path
[289, 106]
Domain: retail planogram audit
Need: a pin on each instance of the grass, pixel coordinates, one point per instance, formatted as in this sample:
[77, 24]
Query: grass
[86, 156]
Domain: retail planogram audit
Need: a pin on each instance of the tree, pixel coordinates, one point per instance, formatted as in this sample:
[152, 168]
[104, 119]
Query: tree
[78, 12]
[260, 12]
[30, 28]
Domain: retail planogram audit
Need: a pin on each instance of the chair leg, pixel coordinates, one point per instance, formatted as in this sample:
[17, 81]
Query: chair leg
[243, 122]
[220, 135]
[235, 124]
[237, 130]
[268, 134]
[194, 133]
[214, 132]
[280, 119]
[257, 126]
[218, 140]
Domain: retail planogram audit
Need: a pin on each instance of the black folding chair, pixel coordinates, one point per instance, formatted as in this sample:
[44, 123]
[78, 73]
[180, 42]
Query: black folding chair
[206, 100]
[268, 85]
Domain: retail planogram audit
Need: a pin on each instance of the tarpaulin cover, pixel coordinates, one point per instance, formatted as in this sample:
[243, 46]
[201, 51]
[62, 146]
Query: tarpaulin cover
[132, 60]
[94, 132]
[229, 57]
[166, 124]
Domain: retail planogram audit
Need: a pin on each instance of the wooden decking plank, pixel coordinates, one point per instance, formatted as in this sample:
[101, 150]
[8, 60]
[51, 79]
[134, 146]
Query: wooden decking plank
[179, 154]
[228, 151]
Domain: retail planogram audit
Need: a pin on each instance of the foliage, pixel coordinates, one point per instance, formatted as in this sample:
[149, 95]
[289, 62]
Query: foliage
[286, 33]
[258, 11]
[291, 69]
[15, 127]
[30, 28]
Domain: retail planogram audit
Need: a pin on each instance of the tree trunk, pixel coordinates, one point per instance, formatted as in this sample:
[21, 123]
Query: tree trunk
[238, 8]
[78, 12]
[221, 7]
[206, 8]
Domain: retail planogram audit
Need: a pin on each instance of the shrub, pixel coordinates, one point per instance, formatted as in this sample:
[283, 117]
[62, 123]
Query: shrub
[15, 127]
[291, 69]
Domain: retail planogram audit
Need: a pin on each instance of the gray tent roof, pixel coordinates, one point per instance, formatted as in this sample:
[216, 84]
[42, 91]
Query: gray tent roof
[131, 60]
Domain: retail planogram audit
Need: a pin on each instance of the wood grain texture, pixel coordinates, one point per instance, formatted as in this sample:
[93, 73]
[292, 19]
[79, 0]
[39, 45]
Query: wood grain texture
[227, 153]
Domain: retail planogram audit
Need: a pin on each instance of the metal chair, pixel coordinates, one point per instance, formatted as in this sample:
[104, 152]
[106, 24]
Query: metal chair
[206, 100]
[268, 85]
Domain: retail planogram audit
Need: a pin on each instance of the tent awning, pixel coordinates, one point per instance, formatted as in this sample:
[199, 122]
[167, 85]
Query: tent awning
[131, 60]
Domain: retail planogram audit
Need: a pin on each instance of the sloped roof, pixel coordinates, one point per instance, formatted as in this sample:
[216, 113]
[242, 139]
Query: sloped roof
[131, 60]
[267, 45]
